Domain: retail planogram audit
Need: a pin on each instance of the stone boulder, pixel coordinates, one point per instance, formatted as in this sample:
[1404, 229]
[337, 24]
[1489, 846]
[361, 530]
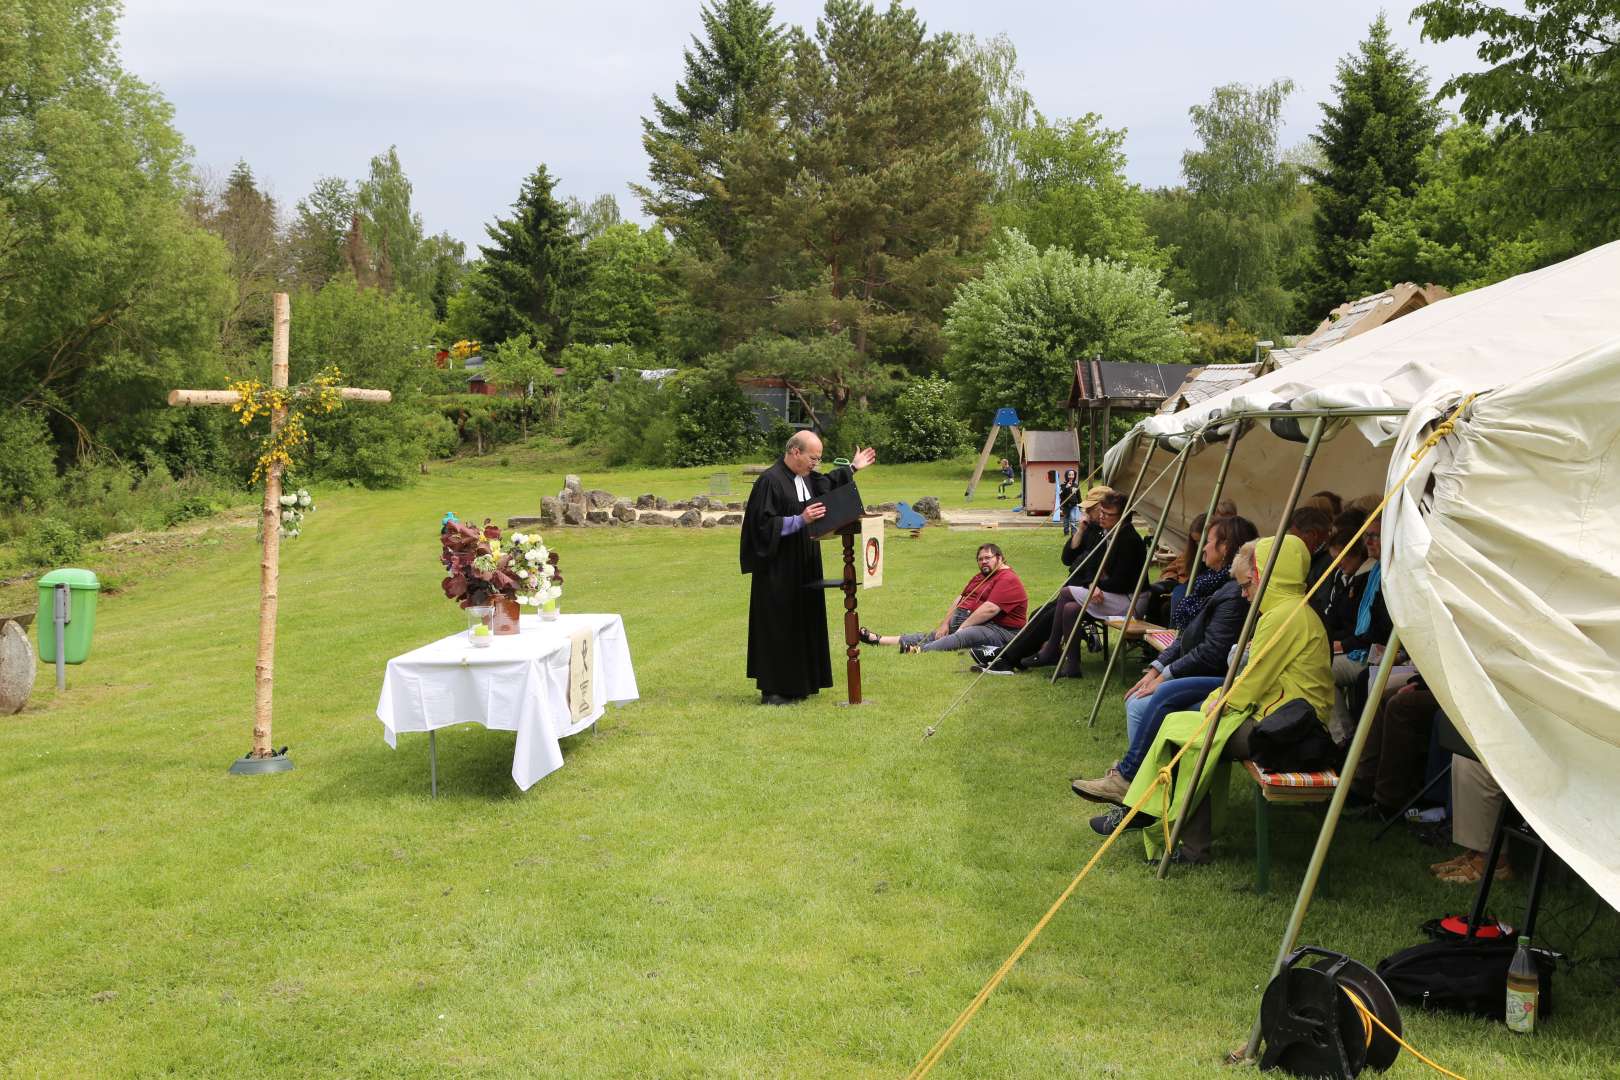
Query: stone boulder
[700, 502]
[709, 523]
[646, 502]
[597, 517]
[660, 503]
[928, 507]
[574, 514]
[730, 519]
[597, 499]
[18, 666]
[650, 518]
[734, 506]
[624, 512]
[571, 484]
[691, 519]
[551, 511]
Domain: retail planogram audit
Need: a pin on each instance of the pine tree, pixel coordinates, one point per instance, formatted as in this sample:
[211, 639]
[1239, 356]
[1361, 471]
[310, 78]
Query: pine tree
[733, 76]
[532, 269]
[1371, 140]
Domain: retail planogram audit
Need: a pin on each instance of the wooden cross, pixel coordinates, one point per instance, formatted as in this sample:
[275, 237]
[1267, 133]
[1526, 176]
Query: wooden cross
[263, 758]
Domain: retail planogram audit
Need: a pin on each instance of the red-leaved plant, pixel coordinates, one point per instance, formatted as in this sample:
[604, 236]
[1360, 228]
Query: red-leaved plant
[477, 571]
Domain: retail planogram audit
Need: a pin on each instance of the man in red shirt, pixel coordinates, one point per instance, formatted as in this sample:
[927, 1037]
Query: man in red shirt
[988, 611]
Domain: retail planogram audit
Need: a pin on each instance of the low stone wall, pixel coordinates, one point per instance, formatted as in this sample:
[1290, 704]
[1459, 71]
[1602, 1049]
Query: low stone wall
[574, 506]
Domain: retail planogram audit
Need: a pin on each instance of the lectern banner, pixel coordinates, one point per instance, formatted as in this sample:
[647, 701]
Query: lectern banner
[870, 559]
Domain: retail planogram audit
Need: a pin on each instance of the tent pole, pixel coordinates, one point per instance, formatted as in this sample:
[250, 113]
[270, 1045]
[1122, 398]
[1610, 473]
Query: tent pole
[1108, 550]
[1249, 622]
[1375, 694]
[1220, 485]
[1141, 579]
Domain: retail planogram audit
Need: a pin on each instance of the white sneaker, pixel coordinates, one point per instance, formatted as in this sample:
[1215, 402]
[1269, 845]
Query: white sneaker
[1428, 816]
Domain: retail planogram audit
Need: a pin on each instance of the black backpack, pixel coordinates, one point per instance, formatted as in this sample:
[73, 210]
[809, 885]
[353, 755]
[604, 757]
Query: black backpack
[1460, 974]
[1290, 738]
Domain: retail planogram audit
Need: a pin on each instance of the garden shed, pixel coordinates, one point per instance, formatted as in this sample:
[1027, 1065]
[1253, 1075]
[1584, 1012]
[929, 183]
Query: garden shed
[1046, 454]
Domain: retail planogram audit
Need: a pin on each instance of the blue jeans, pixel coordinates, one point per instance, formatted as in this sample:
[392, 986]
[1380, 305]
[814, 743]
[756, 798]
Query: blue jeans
[1143, 715]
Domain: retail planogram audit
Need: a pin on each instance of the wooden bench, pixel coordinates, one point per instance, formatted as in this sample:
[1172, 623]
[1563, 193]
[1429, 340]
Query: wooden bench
[1141, 633]
[1285, 789]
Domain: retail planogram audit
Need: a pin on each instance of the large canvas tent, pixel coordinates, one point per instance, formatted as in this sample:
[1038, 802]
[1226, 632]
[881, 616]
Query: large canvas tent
[1503, 552]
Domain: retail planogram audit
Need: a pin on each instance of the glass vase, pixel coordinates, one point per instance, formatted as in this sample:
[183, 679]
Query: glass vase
[549, 610]
[480, 625]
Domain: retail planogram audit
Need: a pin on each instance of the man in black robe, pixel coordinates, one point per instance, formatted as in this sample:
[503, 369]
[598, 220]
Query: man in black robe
[787, 622]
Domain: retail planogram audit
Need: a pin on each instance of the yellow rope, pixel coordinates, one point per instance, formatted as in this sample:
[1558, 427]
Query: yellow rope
[930, 1059]
[1368, 1020]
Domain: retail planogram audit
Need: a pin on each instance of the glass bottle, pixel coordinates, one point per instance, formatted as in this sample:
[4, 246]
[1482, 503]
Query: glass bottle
[1523, 990]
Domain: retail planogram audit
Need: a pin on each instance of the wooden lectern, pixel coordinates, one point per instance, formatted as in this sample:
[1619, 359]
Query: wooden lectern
[844, 513]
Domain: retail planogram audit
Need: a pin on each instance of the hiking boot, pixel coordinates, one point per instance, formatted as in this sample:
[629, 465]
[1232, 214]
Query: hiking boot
[1110, 788]
[1105, 824]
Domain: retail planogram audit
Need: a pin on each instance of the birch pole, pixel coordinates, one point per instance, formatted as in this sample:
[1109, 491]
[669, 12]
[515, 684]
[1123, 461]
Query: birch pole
[264, 669]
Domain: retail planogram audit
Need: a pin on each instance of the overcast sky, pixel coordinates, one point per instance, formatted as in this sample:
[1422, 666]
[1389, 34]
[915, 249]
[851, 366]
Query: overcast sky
[476, 94]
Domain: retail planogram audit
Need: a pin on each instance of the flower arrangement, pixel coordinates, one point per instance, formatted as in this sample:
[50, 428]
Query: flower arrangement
[293, 509]
[322, 394]
[480, 567]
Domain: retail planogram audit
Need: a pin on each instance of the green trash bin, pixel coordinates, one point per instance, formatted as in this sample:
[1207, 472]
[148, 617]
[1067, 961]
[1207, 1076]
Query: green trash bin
[82, 589]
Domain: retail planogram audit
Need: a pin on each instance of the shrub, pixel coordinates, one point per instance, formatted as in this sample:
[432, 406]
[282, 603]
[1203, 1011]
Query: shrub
[186, 508]
[51, 542]
[27, 463]
[713, 420]
[924, 424]
[857, 427]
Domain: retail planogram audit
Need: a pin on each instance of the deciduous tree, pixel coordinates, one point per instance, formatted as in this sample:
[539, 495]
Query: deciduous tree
[1016, 331]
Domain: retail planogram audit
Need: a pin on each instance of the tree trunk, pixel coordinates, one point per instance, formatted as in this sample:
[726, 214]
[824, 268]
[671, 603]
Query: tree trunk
[264, 669]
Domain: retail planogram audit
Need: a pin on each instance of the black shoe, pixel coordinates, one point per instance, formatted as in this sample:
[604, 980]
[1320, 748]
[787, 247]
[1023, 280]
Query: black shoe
[769, 698]
[1105, 824]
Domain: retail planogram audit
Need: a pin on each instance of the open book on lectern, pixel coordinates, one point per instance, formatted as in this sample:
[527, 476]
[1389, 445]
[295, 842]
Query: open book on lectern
[844, 507]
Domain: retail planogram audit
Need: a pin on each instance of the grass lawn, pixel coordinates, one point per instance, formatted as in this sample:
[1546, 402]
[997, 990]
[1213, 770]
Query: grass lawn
[707, 888]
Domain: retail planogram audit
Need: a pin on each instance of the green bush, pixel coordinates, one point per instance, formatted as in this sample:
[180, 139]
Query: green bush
[857, 427]
[186, 508]
[27, 461]
[714, 422]
[51, 542]
[924, 425]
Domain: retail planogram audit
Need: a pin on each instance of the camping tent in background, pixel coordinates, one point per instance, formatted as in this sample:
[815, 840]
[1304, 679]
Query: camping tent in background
[1502, 559]
[1504, 551]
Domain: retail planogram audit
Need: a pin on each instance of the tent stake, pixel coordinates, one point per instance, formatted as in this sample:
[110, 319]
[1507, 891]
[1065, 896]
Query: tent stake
[1108, 550]
[1141, 578]
[1247, 632]
[1296, 919]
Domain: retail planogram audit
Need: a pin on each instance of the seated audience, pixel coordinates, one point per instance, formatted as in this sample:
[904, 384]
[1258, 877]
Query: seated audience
[1332, 600]
[1476, 803]
[1328, 502]
[1288, 659]
[1315, 527]
[1121, 568]
[1390, 772]
[1167, 592]
[1193, 665]
[1358, 637]
[988, 611]
[1080, 553]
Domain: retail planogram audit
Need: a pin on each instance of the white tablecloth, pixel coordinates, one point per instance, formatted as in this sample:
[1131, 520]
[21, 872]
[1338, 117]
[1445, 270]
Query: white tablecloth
[519, 683]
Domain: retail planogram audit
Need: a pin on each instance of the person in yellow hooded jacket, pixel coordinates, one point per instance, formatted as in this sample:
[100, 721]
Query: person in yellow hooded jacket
[1288, 659]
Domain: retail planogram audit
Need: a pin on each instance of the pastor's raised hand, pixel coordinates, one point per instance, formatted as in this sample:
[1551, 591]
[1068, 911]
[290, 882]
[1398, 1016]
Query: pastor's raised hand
[862, 458]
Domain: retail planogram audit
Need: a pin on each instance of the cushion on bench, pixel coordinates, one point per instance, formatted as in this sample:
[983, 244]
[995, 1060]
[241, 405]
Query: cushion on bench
[1301, 786]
